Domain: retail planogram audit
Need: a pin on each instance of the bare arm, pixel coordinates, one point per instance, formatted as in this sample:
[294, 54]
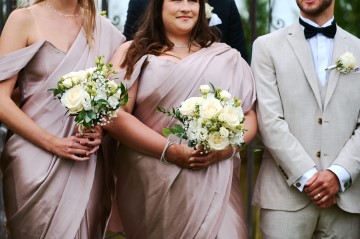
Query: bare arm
[14, 37]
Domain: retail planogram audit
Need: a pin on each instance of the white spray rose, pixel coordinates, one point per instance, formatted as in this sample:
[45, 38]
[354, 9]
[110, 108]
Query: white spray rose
[224, 132]
[112, 85]
[72, 99]
[67, 82]
[204, 89]
[210, 108]
[217, 142]
[225, 95]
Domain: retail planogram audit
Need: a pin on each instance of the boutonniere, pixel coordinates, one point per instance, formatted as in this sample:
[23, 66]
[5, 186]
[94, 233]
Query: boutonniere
[345, 64]
[210, 16]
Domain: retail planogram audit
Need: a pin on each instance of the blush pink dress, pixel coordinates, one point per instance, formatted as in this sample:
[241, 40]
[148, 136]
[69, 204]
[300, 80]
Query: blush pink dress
[157, 200]
[46, 196]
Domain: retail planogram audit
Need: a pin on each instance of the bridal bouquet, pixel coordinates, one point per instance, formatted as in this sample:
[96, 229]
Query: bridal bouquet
[213, 121]
[90, 96]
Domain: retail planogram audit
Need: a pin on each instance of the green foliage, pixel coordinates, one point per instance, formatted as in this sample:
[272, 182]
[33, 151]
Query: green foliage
[347, 16]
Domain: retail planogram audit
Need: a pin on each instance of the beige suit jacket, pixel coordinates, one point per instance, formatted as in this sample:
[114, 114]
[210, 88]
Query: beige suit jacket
[297, 129]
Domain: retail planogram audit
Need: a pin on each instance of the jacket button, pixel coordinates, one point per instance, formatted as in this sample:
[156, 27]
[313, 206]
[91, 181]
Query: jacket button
[318, 154]
[298, 184]
[320, 120]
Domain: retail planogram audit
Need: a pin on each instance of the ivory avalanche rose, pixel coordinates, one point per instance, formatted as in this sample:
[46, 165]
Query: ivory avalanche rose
[231, 116]
[345, 63]
[188, 106]
[72, 99]
[210, 108]
[348, 60]
[217, 142]
[113, 101]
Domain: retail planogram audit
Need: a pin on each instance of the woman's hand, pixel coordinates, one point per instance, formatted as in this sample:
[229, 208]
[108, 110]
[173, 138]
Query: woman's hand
[200, 159]
[72, 147]
[186, 157]
[94, 137]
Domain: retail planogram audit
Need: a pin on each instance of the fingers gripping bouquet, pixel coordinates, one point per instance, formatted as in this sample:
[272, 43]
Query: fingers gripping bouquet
[212, 121]
[90, 96]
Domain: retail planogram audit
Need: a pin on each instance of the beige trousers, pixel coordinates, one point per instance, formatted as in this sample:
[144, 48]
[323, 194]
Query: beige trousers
[310, 222]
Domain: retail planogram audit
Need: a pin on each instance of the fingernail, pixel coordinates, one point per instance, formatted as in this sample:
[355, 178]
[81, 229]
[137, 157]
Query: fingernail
[192, 165]
[191, 159]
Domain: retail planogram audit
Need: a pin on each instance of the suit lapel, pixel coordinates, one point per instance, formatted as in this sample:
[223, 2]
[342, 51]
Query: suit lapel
[302, 51]
[340, 47]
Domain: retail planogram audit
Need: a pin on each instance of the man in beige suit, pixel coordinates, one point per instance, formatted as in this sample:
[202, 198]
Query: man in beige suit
[309, 184]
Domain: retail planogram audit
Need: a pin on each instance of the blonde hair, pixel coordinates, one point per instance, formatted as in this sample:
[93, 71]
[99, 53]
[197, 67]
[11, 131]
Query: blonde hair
[89, 7]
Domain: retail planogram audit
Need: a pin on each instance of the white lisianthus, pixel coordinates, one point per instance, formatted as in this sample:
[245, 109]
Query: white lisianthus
[101, 95]
[217, 142]
[86, 100]
[237, 138]
[118, 93]
[210, 108]
[112, 85]
[225, 95]
[208, 10]
[224, 132]
[202, 134]
[113, 102]
[188, 106]
[204, 89]
[231, 116]
[72, 99]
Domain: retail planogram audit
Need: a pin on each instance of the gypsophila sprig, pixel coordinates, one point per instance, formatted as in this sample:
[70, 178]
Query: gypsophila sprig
[212, 121]
[90, 96]
[345, 64]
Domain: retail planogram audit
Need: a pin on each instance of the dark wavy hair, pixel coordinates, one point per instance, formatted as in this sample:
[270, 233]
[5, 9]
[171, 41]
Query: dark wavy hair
[151, 38]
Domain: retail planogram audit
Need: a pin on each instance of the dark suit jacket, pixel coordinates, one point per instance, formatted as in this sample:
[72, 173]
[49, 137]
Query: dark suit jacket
[231, 27]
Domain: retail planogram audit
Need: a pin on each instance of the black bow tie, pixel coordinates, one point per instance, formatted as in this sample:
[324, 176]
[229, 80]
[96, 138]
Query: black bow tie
[311, 31]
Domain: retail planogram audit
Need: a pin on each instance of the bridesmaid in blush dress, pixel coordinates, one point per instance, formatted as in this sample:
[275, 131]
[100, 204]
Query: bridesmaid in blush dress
[197, 195]
[50, 191]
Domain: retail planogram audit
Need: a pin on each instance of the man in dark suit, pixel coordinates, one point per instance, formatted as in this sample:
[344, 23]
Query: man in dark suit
[231, 26]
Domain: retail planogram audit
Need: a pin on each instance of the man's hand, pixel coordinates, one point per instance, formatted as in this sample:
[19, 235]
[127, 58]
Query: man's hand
[322, 187]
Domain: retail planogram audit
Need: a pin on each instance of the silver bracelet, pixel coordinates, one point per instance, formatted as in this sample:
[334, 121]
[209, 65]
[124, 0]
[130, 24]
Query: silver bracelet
[162, 158]
[234, 152]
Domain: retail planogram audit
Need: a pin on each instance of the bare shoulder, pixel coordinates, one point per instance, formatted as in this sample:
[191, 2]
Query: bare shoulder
[16, 31]
[120, 53]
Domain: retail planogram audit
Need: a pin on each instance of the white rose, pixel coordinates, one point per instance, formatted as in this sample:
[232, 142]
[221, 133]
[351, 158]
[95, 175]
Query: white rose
[188, 106]
[204, 89]
[348, 60]
[72, 99]
[231, 116]
[225, 95]
[210, 108]
[113, 101]
[118, 93]
[217, 142]
[224, 132]
[208, 10]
